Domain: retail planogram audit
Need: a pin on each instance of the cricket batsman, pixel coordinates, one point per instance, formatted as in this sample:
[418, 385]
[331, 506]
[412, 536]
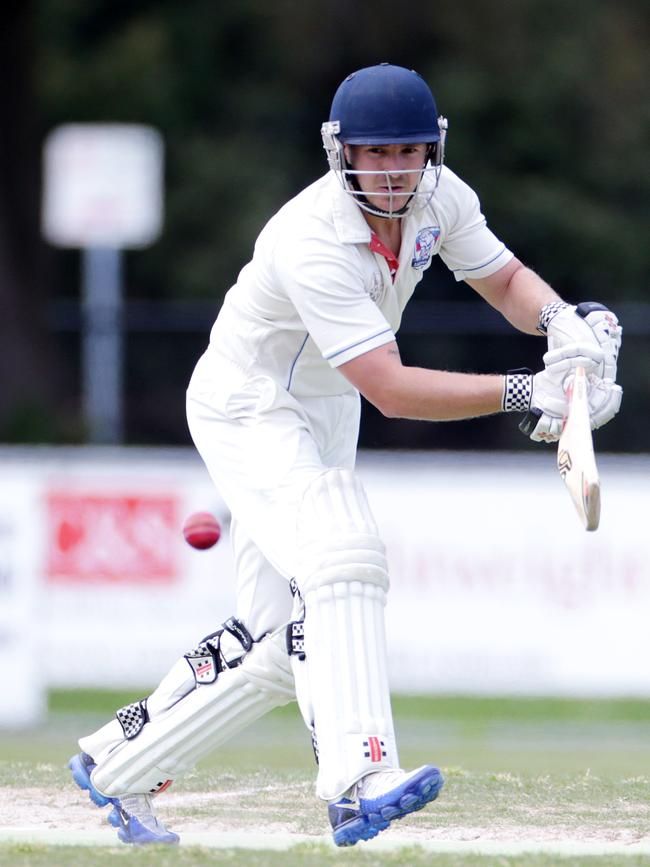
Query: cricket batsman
[273, 408]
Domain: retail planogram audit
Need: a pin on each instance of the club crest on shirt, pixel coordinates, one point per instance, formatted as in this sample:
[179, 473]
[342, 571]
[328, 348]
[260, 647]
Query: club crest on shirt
[424, 244]
[376, 288]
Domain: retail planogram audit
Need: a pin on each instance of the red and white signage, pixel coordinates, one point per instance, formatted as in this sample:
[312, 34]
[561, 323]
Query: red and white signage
[112, 537]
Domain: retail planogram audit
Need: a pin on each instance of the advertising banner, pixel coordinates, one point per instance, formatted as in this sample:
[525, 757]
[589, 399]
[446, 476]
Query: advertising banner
[495, 586]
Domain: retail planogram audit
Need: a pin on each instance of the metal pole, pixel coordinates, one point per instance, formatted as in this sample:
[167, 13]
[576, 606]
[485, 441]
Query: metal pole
[102, 344]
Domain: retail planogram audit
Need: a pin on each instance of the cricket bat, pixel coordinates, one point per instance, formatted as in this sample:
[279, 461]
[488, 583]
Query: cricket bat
[575, 454]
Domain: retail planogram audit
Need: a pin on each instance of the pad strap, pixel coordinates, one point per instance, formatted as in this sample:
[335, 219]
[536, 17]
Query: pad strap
[132, 718]
[296, 639]
[207, 660]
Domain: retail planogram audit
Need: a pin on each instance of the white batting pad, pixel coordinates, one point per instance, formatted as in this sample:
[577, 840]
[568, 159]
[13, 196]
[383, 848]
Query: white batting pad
[173, 741]
[343, 579]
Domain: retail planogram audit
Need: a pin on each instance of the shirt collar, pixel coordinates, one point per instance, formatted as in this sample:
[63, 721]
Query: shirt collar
[349, 223]
[378, 246]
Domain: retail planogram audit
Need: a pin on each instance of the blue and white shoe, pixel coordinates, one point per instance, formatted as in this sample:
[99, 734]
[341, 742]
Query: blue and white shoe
[349, 825]
[384, 796]
[388, 795]
[137, 823]
[82, 767]
[132, 815]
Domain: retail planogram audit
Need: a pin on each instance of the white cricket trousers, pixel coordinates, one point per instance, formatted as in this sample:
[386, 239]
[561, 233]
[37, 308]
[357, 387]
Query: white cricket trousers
[262, 447]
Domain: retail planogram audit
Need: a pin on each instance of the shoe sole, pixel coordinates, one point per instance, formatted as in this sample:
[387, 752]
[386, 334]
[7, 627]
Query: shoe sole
[377, 814]
[412, 796]
[82, 778]
[135, 834]
[353, 831]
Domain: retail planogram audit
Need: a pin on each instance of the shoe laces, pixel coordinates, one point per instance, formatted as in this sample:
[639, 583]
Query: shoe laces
[375, 784]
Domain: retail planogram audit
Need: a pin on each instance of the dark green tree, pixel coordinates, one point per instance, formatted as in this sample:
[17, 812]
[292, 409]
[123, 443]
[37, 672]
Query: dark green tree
[549, 121]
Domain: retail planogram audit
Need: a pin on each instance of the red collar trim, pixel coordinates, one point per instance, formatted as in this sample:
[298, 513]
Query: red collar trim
[378, 246]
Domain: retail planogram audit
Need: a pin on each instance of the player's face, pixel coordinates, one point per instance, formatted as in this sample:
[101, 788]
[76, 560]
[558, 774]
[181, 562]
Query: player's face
[396, 172]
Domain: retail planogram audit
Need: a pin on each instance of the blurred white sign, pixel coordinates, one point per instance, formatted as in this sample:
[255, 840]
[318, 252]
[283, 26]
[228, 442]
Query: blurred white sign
[103, 185]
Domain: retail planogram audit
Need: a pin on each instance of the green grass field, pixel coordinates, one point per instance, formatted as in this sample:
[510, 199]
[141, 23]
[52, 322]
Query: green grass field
[516, 770]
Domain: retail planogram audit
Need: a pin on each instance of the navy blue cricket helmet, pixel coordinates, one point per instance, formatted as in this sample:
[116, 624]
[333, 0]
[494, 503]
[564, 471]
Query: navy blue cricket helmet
[385, 104]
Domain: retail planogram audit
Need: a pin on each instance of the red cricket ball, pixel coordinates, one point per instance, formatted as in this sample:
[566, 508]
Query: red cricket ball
[202, 530]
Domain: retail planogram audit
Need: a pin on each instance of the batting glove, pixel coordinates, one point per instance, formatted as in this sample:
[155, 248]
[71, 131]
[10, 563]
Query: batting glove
[542, 396]
[590, 321]
[604, 401]
[603, 396]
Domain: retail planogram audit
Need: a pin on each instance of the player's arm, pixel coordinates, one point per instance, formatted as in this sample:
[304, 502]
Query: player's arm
[439, 395]
[517, 293]
[529, 303]
[414, 392]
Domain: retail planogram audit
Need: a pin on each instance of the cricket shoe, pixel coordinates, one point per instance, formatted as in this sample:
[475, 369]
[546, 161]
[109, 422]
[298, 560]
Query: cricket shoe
[383, 797]
[132, 815]
[137, 823]
[349, 825]
[388, 795]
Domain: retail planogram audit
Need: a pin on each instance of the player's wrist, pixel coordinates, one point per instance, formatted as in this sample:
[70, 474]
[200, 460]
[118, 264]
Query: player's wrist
[517, 390]
[588, 321]
[548, 312]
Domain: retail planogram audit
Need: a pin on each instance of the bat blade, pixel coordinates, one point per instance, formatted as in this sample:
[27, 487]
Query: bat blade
[576, 461]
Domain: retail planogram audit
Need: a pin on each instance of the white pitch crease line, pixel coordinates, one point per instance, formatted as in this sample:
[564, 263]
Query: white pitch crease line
[283, 841]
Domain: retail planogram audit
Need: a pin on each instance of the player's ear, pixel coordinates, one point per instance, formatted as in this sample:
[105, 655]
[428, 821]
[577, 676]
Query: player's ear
[348, 153]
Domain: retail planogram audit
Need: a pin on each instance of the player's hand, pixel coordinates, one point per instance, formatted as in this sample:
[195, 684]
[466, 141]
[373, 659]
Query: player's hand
[560, 364]
[604, 401]
[549, 403]
[603, 395]
[589, 321]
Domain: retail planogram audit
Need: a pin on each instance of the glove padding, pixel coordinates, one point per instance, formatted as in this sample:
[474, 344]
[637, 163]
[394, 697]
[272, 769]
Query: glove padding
[549, 404]
[589, 321]
[603, 395]
[604, 401]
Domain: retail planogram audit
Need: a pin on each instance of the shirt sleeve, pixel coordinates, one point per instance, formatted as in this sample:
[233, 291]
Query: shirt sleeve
[469, 249]
[326, 285]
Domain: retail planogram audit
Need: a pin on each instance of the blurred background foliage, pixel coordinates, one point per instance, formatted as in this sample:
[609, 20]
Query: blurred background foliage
[549, 122]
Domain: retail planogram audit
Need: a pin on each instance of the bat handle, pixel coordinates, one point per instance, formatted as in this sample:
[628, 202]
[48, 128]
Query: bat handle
[578, 373]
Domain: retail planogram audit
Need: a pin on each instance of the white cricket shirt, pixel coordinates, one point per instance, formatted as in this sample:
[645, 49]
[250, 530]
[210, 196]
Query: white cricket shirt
[314, 295]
